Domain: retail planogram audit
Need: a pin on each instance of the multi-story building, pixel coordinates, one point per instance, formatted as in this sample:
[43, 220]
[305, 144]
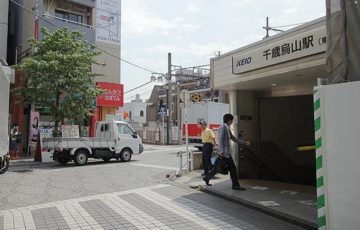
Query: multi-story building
[4, 6]
[99, 21]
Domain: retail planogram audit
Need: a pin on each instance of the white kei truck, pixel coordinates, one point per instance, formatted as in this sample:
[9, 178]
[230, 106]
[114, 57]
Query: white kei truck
[5, 76]
[113, 139]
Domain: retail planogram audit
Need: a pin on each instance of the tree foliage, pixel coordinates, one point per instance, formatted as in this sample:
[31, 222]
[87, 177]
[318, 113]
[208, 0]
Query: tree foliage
[59, 75]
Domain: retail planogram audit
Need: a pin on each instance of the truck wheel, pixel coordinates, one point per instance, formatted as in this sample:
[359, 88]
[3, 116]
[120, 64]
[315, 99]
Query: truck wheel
[6, 166]
[81, 157]
[125, 155]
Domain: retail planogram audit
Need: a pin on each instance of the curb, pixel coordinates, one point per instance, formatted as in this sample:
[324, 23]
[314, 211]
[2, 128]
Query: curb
[31, 163]
[279, 215]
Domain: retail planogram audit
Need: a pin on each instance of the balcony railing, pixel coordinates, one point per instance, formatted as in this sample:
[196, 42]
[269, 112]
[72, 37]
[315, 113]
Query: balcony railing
[68, 21]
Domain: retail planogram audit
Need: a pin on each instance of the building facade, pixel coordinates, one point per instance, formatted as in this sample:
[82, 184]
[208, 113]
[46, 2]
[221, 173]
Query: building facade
[99, 21]
[135, 111]
[4, 8]
[270, 86]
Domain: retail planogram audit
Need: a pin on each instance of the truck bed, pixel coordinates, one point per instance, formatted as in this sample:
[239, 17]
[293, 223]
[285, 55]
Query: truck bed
[86, 142]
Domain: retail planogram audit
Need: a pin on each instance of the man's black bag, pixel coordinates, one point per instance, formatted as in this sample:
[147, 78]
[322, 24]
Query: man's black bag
[221, 166]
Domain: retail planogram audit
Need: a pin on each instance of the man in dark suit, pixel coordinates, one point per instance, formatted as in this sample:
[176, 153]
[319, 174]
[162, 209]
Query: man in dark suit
[224, 137]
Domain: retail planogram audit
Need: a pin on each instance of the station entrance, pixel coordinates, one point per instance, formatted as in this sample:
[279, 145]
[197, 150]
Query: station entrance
[286, 139]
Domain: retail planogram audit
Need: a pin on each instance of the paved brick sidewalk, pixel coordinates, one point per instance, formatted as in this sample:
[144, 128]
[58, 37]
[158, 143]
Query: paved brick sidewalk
[293, 203]
[155, 207]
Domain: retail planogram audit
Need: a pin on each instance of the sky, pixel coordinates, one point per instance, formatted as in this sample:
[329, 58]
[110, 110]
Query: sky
[194, 31]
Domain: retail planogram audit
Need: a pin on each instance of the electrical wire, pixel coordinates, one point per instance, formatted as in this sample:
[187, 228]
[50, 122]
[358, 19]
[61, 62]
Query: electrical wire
[288, 25]
[137, 87]
[92, 45]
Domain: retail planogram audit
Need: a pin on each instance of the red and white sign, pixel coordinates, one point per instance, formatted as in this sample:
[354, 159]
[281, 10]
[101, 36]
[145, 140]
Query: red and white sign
[114, 95]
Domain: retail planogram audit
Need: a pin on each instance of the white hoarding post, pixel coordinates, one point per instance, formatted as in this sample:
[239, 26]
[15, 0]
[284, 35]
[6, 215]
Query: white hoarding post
[337, 131]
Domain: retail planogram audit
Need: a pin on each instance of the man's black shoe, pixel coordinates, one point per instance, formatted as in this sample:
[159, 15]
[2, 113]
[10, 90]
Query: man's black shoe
[203, 174]
[238, 188]
[207, 181]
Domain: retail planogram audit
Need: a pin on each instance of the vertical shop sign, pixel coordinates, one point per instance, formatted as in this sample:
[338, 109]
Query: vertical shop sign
[108, 21]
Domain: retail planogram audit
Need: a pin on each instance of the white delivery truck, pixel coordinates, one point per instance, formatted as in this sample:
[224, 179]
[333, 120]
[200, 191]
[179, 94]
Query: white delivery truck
[211, 112]
[5, 75]
[113, 139]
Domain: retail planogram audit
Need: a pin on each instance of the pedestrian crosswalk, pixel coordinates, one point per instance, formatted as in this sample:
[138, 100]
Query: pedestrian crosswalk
[142, 208]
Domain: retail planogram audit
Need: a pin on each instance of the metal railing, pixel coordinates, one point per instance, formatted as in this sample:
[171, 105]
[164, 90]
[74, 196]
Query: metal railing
[68, 21]
[186, 165]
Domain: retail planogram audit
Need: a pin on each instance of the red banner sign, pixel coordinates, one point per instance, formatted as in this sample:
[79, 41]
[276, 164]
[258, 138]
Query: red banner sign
[114, 95]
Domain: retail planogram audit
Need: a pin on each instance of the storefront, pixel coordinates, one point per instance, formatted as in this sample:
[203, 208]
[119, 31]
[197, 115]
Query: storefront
[270, 85]
[108, 104]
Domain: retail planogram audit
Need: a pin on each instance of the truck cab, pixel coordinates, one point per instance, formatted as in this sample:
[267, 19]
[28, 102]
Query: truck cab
[122, 132]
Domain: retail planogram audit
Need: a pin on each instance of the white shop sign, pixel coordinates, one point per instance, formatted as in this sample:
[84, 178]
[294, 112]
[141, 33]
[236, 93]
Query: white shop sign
[298, 46]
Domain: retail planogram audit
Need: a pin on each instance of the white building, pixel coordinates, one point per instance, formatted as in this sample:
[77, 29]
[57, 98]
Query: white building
[270, 86]
[135, 111]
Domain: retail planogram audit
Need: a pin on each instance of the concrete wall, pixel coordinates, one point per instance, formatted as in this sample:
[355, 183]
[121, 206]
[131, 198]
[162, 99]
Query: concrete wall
[4, 7]
[246, 102]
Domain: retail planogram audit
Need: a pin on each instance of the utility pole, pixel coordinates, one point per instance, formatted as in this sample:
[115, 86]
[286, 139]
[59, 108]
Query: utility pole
[168, 112]
[267, 28]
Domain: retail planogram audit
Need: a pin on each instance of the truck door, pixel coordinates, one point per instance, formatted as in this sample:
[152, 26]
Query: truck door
[128, 138]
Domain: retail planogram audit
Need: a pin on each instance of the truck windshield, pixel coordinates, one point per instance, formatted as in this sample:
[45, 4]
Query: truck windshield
[125, 129]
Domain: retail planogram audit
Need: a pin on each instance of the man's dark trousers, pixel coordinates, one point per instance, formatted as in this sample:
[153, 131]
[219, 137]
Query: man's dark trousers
[206, 156]
[231, 168]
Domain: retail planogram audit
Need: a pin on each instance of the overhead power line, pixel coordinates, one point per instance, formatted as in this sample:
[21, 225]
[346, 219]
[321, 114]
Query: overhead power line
[138, 87]
[92, 45]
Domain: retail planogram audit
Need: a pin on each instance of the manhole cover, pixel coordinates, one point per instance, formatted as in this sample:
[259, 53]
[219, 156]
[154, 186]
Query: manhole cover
[23, 171]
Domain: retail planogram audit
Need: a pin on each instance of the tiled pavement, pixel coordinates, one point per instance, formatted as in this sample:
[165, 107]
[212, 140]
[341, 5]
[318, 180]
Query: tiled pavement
[156, 207]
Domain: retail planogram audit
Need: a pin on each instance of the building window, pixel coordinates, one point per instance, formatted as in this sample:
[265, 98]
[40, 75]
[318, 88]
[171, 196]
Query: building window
[141, 113]
[69, 16]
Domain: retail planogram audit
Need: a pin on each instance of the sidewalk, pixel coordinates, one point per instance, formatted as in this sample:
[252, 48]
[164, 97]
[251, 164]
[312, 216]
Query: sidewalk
[292, 203]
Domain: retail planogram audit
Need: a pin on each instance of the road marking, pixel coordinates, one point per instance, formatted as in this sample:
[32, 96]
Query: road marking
[307, 202]
[153, 166]
[260, 188]
[268, 203]
[288, 192]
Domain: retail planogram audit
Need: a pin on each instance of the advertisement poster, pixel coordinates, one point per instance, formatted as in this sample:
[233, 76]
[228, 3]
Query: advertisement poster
[46, 154]
[33, 128]
[108, 21]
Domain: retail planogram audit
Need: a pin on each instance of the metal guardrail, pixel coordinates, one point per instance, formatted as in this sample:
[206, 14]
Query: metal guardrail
[184, 166]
